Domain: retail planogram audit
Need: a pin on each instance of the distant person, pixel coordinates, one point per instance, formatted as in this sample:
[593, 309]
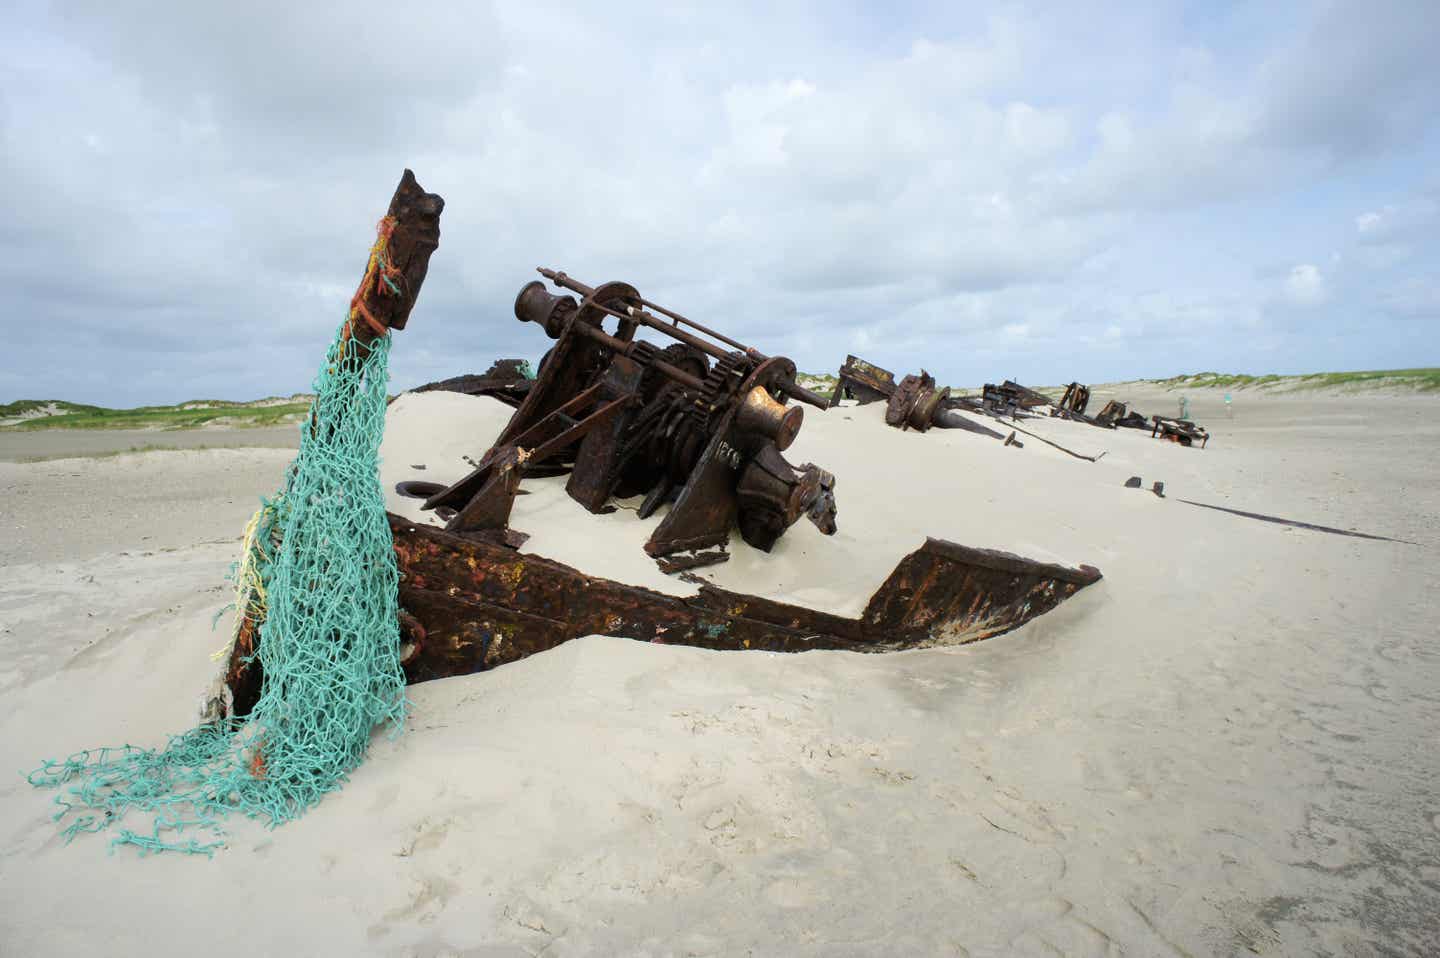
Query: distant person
[1184, 408]
[1229, 410]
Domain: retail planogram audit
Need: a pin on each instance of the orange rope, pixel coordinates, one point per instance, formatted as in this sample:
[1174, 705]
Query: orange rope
[379, 272]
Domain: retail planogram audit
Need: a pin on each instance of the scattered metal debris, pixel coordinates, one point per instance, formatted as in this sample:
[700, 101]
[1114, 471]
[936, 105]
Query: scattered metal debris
[862, 382]
[1010, 398]
[1182, 431]
[1116, 414]
[916, 402]
[1076, 398]
[508, 380]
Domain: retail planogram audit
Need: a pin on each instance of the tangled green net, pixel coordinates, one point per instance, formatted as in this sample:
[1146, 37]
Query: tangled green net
[322, 560]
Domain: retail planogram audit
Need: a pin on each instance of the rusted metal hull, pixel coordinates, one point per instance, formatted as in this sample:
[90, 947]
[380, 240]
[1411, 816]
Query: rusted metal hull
[481, 605]
[469, 604]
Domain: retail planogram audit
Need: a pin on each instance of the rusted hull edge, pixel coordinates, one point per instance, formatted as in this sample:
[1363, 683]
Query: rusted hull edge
[469, 605]
[482, 605]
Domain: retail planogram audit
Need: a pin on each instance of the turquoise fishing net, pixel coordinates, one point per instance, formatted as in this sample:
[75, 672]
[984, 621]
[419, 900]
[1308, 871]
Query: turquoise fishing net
[323, 562]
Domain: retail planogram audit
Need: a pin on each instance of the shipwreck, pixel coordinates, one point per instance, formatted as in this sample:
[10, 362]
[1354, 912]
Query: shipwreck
[694, 428]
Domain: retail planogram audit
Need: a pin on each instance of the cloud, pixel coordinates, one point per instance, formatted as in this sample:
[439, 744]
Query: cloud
[1416, 217]
[1353, 81]
[188, 189]
[1305, 286]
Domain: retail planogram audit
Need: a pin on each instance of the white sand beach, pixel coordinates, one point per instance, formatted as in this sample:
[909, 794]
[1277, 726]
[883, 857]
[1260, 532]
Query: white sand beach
[1226, 746]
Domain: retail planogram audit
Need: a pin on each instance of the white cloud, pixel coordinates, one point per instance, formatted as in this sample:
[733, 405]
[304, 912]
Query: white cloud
[1305, 285]
[1396, 222]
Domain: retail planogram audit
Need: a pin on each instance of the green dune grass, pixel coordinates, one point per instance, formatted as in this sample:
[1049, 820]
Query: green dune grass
[1419, 380]
[201, 412]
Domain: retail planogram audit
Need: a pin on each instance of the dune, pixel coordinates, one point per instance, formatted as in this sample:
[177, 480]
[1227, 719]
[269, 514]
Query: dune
[1225, 746]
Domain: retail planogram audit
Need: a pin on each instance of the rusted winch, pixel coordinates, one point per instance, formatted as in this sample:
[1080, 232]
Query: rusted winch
[700, 423]
[915, 402]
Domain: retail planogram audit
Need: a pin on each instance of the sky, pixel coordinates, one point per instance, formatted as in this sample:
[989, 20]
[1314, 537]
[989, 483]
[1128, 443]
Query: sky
[1047, 192]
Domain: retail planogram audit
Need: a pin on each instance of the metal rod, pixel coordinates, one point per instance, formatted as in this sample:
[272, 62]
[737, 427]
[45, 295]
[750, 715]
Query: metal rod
[791, 389]
[628, 349]
[708, 332]
[634, 315]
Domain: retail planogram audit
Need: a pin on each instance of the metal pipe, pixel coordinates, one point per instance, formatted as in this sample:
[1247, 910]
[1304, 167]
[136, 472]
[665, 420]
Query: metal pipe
[800, 393]
[791, 389]
[749, 350]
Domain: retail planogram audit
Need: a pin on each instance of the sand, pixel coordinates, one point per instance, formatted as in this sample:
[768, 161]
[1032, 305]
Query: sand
[1226, 746]
[66, 443]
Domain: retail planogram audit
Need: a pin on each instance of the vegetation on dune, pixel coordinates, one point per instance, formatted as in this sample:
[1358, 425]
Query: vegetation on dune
[1420, 380]
[32, 407]
[59, 414]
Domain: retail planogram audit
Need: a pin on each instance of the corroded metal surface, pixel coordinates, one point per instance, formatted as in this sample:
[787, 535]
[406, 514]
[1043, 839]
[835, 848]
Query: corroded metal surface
[415, 236]
[863, 382]
[469, 604]
[1010, 397]
[1074, 401]
[682, 425]
[915, 402]
[508, 380]
[481, 604]
[1181, 431]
